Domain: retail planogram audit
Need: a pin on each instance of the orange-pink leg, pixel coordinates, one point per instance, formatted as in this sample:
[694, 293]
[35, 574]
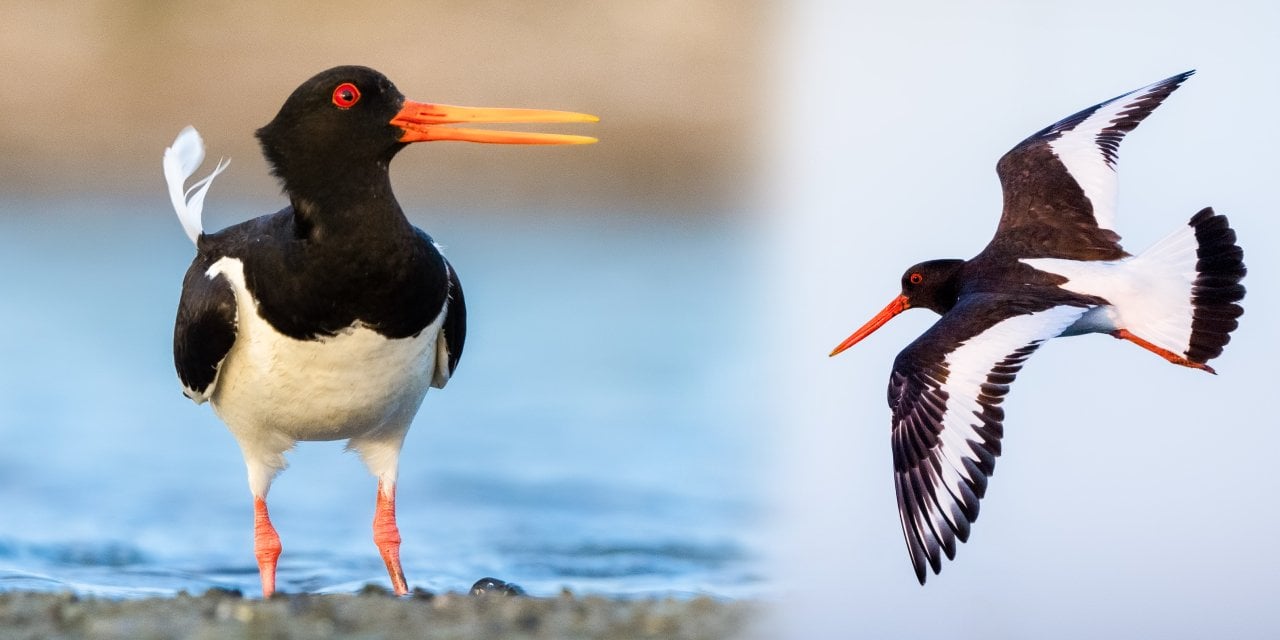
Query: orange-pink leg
[1123, 334]
[266, 546]
[387, 536]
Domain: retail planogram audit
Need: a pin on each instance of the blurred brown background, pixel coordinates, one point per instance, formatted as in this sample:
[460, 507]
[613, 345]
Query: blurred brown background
[94, 91]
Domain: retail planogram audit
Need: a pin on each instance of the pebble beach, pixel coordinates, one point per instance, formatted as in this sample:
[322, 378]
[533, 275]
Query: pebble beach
[370, 614]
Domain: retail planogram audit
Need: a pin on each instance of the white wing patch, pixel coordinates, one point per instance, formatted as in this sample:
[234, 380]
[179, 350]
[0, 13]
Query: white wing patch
[1088, 149]
[181, 161]
[971, 363]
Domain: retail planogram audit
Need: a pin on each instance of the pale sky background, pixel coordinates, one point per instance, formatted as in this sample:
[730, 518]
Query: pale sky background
[1134, 498]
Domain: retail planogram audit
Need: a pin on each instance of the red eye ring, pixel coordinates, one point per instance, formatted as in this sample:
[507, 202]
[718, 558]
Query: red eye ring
[915, 278]
[346, 95]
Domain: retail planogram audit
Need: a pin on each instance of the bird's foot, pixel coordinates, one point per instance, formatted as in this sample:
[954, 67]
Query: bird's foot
[1123, 334]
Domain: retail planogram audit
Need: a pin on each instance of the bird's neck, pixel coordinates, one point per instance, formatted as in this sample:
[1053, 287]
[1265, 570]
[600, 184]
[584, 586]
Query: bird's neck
[947, 291]
[349, 202]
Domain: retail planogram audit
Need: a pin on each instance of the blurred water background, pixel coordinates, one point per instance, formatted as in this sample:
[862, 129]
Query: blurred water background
[605, 429]
[596, 435]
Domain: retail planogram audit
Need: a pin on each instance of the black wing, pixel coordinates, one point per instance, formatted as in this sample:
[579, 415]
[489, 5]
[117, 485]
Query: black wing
[1060, 183]
[454, 334]
[204, 331]
[945, 393]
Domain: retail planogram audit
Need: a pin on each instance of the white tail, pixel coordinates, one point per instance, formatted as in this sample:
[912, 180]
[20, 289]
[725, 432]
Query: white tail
[1201, 267]
[180, 161]
[1158, 307]
[1179, 295]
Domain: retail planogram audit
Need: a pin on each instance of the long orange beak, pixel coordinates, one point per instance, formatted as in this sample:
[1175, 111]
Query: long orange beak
[423, 122]
[899, 304]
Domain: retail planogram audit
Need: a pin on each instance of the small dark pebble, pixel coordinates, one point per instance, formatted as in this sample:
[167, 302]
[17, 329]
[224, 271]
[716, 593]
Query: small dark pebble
[372, 589]
[224, 592]
[419, 593]
[494, 586]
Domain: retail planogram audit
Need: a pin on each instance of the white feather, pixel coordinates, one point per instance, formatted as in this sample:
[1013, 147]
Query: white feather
[181, 161]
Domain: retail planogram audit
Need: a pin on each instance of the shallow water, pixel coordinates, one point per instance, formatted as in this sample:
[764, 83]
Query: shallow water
[603, 432]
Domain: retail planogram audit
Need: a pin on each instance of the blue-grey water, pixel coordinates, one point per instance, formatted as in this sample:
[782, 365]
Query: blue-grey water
[603, 432]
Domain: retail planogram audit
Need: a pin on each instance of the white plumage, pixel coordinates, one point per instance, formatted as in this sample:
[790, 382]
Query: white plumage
[180, 162]
[273, 390]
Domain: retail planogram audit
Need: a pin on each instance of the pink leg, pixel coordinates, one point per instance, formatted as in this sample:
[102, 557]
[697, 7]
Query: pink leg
[387, 536]
[1123, 334]
[266, 546]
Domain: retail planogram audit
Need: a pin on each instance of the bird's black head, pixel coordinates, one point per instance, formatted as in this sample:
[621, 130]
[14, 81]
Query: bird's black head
[934, 285]
[333, 125]
[339, 130]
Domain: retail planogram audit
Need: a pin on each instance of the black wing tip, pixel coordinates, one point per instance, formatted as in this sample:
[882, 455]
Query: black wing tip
[1154, 95]
[923, 568]
[1161, 90]
[1177, 78]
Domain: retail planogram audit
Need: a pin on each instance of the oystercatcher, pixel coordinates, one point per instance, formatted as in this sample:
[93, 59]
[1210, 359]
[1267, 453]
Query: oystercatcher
[329, 319]
[1054, 268]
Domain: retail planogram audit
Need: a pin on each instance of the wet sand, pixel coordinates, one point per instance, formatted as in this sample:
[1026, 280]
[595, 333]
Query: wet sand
[369, 615]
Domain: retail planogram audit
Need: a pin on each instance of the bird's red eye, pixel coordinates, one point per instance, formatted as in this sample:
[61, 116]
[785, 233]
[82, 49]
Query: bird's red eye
[915, 278]
[346, 95]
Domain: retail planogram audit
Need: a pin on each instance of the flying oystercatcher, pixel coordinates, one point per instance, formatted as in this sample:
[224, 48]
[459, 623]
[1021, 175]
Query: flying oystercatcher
[329, 319]
[1054, 268]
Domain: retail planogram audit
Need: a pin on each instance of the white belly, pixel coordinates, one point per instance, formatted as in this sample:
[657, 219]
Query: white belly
[353, 384]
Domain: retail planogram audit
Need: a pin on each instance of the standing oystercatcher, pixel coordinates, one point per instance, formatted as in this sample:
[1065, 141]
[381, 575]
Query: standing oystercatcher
[1054, 268]
[329, 319]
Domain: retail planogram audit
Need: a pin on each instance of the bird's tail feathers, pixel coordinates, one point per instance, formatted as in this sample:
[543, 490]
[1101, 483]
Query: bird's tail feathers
[1191, 287]
[181, 161]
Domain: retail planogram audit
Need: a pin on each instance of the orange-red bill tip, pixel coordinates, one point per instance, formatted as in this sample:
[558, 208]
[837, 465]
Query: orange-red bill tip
[899, 304]
[426, 122]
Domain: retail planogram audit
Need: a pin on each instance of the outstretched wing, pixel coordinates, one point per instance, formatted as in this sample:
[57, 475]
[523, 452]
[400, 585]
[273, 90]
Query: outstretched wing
[204, 331]
[454, 334]
[1060, 183]
[945, 393]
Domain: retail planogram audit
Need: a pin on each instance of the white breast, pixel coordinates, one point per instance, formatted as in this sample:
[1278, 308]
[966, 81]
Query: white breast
[353, 384]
